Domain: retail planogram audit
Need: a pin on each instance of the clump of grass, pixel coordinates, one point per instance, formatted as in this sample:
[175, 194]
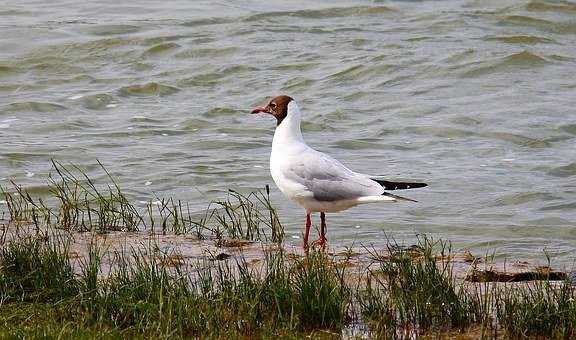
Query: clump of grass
[173, 216]
[540, 309]
[142, 295]
[322, 297]
[415, 294]
[228, 300]
[246, 217]
[18, 209]
[31, 271]
[240, 216]
[82, 205]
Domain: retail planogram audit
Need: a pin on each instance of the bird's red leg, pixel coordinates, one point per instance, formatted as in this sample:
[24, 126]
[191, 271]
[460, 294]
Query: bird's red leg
[307, 231]
[322, 240]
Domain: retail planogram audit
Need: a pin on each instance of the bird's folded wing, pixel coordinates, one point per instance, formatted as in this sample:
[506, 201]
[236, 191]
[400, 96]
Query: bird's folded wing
[329, 180]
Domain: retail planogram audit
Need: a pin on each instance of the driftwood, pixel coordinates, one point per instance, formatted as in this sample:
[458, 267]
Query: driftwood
[540, 273]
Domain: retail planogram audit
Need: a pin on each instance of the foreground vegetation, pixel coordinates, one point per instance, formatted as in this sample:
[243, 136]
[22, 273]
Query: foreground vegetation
[407, 292]
[143, 297]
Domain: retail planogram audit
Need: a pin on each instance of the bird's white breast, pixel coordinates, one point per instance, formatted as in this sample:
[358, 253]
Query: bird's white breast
[280, 170]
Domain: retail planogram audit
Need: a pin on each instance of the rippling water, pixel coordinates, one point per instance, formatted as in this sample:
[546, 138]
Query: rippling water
[475, 97]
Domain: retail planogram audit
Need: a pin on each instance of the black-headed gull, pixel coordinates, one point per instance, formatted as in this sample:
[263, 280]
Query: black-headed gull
[314, 180]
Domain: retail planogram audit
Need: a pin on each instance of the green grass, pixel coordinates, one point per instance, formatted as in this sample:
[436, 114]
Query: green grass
[141, 296]
[408, 295]
[249, 217]
[542, 308]
[35, 272]
[412, 292]
[415, 293]
[77, 203]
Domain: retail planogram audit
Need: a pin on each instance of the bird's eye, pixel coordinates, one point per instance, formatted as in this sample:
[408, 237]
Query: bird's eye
[273, 105]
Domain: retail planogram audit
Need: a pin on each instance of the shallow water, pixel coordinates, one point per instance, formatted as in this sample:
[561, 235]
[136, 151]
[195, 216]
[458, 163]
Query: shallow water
[474, 97]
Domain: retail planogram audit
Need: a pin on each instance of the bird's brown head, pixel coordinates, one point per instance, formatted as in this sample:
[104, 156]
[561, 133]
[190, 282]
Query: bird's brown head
[278, 107]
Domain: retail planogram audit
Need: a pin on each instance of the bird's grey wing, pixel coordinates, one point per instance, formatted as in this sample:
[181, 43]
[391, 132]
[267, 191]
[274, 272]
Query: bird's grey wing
[328, 179]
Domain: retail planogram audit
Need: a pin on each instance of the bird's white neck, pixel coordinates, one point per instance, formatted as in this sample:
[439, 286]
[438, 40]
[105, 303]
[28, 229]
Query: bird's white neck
[288, 131]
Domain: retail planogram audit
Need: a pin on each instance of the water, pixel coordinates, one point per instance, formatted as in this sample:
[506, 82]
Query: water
[477, 98]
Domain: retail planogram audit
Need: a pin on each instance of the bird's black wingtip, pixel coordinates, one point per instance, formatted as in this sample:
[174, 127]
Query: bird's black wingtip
[389, 185]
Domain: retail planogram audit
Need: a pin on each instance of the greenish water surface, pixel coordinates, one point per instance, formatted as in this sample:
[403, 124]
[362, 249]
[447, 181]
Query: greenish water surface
[477, 98]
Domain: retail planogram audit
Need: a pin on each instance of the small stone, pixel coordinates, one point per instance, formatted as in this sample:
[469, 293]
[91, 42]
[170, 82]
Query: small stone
[222, 256]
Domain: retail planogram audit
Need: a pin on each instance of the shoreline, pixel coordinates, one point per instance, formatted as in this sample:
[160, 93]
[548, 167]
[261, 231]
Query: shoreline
[371, 283]
[79, 265]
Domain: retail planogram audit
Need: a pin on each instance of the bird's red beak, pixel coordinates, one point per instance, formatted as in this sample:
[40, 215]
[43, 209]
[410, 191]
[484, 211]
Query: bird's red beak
[259, 109]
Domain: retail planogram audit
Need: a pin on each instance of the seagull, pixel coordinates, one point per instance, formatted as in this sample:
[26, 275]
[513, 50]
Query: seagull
[314, 180]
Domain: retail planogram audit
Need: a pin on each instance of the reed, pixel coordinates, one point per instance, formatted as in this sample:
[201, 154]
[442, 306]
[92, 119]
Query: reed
[77, 203]
[414, 292]
[539, 309]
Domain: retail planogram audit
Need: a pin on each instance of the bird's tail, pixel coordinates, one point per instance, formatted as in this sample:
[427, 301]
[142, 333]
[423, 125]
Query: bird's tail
[388, 185]
[398, 197]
